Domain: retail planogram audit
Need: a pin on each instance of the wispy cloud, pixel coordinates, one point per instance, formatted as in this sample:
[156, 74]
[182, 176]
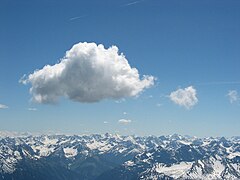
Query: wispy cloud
[105, 122]
[120, 100]
[233, 96]
[219, 83]
[2, 106]
[132, 3]
[77, 17]
[32, 109]
[159, 104]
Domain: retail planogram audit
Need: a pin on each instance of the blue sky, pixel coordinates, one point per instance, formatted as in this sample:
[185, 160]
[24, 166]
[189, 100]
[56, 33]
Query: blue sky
[181, 43]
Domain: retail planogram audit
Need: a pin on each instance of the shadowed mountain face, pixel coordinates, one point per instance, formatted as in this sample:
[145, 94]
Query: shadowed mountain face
[60, 157]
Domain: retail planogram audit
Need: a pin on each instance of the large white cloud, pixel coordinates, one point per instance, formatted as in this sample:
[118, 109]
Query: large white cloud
[87, 73]
[233, 96]
[185, 97]
[2, 106]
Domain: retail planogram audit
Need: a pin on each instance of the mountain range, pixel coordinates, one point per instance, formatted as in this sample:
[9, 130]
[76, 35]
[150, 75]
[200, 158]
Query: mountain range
[24, 156]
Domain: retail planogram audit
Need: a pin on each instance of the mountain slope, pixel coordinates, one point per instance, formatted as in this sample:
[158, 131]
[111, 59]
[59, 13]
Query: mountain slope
[90, 157]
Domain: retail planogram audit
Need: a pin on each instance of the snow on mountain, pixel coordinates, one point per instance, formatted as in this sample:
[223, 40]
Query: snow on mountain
[184, 158]
[70, 152]
[175, 171]
[129, 157]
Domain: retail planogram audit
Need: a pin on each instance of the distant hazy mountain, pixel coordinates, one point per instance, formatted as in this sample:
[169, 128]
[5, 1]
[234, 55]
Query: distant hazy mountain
[103, 157]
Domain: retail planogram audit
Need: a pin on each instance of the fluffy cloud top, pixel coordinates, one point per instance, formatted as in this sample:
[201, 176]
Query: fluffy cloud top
[87, 73]
[2, 106]
[185, 97]
[124, 121]
[233, 96]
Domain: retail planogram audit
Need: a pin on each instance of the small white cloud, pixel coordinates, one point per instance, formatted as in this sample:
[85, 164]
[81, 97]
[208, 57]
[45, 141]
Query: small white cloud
[125, 113]
[233, 96]
[105, 122]
[185, 97]
[124, 121]
[159, 104]
[120, 100]
[2, 106]
[88, 73]
[32, 109]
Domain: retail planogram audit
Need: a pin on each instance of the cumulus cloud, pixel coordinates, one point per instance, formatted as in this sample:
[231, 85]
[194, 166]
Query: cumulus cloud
[185, 97]
[124, 121]
[2, 106]
[87, 73]
[233, 96]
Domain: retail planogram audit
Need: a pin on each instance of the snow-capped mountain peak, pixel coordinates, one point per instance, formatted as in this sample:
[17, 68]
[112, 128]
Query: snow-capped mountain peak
[127, 157]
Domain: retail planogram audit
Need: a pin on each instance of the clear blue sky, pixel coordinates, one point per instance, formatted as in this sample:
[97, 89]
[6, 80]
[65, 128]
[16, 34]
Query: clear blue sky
[181, 42]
